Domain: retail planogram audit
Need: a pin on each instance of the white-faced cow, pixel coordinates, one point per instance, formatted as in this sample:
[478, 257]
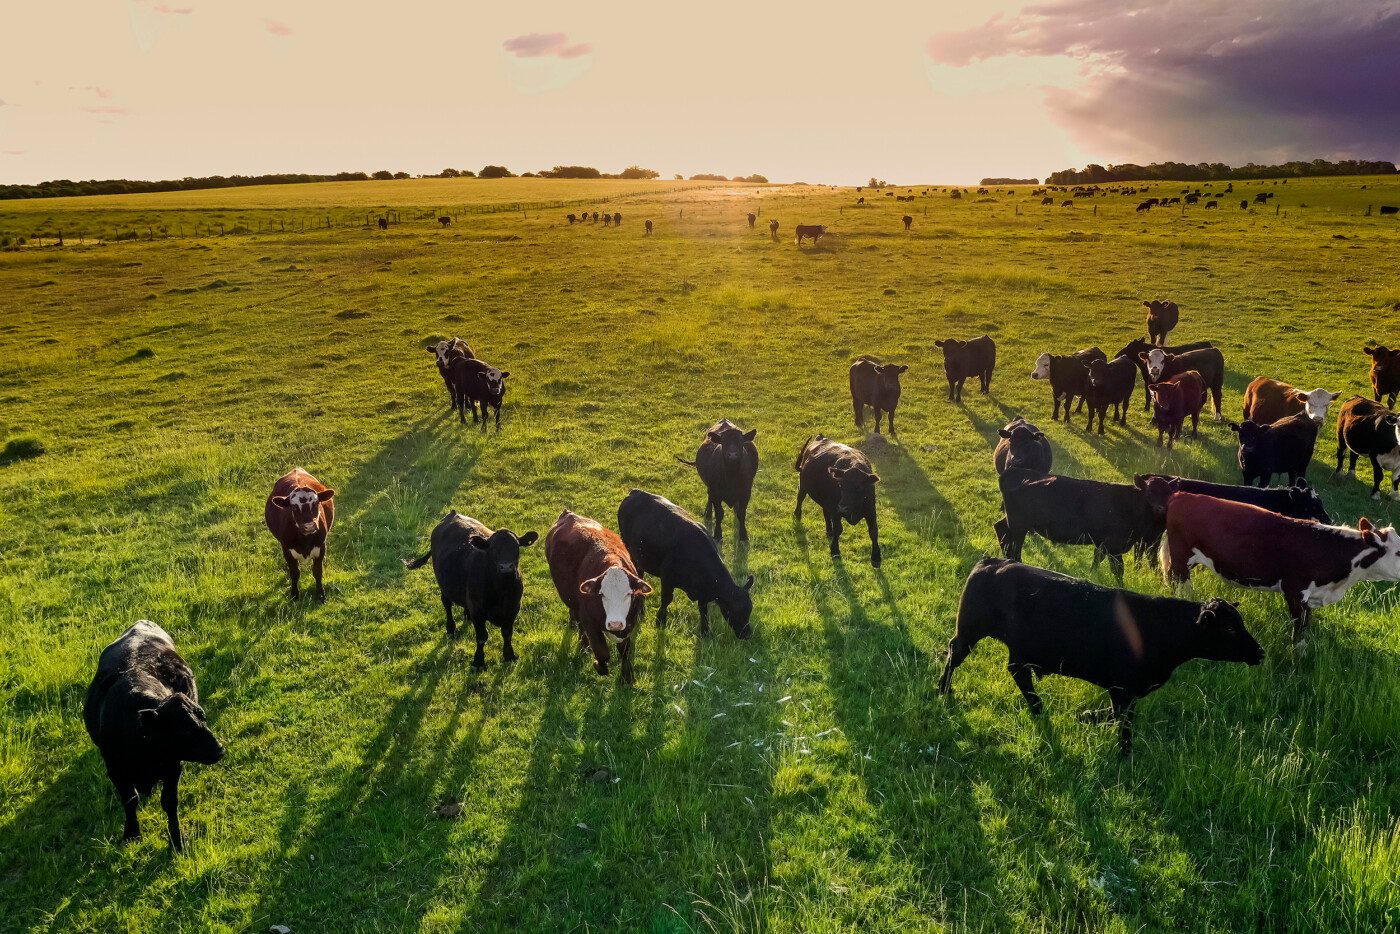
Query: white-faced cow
[299, 513]
[1268, 400]
[813, 231]
[1068, 377]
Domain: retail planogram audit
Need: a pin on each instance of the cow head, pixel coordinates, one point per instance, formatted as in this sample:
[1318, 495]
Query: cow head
[1249, 433]
[1315, 403]
[178, 729]
[1155, 360]
[732, 442]
[1024, 442]
[1157, 490]
[304, 504]
[1098, 372]
[1221, 636]
[887, 379]
[618, 589]
[1042, 367]
[738, 608]
[493, 381]
[1304, 502]
[1381, 558]
[857, 485]
[1383, 359]
[503, 550]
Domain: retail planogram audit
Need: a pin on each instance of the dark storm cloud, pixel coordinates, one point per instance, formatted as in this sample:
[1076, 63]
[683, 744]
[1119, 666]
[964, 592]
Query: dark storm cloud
[1251, 79]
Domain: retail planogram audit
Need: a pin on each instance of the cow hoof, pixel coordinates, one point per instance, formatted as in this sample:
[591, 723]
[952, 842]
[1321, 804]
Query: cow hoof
[510, 659]
[479, 664]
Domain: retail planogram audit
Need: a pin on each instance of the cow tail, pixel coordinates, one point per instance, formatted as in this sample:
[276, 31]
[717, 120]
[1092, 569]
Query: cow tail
[802, 454]
[416, 563]
[684, 461]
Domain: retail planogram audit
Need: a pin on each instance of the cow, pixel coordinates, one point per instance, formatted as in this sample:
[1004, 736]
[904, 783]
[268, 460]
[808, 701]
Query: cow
[962, 359]
[445, 220]
[1021, 445]
[1385, 372]
[1144, 206]
[876, 385]
[1111, 382]
[383, 223]
[814, 231]
[1137, 346]
[142, 712]
[1162, 318]
[860, 201]
[1068, 203]
[1049, 199]
[908, 221]
[1286, 446]
[648, 226]
[484, 385]
[1212, 204]
[479, 570]
[752, 218]
[1244, 204]
[571, 218]
[841, 481]
[299, 513]
[1174, 400]
[617, 219]
[1268, 400]
[1125, 642]
[667, 543]
[600, 586]
[773, 229]
[1311, 564]
[444, 352]
[1299, 500]
[595, 217]
[1366, 427]
[1261, 198]
[727, 462]
[607, 220]
[1209, 362]
[1068, 376]
[1389, 209]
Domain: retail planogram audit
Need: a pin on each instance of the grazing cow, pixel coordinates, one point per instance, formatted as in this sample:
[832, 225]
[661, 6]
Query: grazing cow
[445, 220]
[908, 221]
[1113, 517]
[595, 217]
[1366, 427]
[1173, 401]
[1049, 199]
[841, 481]
[648, 225]
[1111, 382]
[1261, 198]
[773, 229]
[727, 462]
[668, 543]
[572, 218]
[617, 219]
[876, 385]
[1144, 206]
[383, 223]
[1068, 376]
[1385, 372]
[1299, 500]
[142, 712]
[1209, 362]
[1212, 204]
[478, 570]
[483, 385]
[1244, 204]
[1137, 346]
[1389, 209]
[599, 584]
[753, 219]
[1068, 203]
[961, 359]
[1311, 564]
[1268, 400]
[1162, 317]
[1286, 446]
[299, 513]
[860, 201]
[1125, 642]
[1021, 446]
[815, 231]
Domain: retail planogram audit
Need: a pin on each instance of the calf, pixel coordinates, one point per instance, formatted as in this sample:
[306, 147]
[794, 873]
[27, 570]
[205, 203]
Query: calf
[484, 385]
[1021, 445]
[908, 221]
[142, 712]
[1286, 446]
[752, 218]
[1113, 517]
[814, 231]
[1068, 376]
[961, 359]
[478, 570]
[841, 481]
[1137, 346]
[1162, 317]
[383, 223]
[1127, 643]
[1299, 500]
[1385, 372]
[1268, 400]
[444, 352]
[1173, 401]
[599, 584]
[299, 513]
[668, 543]
[727, 463]
[445, 220]
[773, 229]
[1111, 382]
[648, 225]
[1210, 363]
[1366, 427]
[1311, 564]
[875, 385]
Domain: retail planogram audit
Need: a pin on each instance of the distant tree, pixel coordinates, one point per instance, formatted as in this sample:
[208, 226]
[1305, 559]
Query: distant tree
[383, 175]
[572, 171]
[754, 179]
[1215, 171]
[680, 177]
[1010, 181]
[449, 173]
[708, 177]
[636, 171]
[529, 175]
[402, 175]
[468, 173]
[495, 171]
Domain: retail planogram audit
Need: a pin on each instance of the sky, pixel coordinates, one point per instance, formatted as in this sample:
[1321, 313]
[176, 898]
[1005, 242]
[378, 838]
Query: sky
[912, 91]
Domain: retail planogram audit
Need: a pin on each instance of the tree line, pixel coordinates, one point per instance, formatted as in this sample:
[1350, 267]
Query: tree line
[1213, 171]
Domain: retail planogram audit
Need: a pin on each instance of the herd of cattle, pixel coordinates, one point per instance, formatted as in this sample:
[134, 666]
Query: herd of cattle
[142, 708]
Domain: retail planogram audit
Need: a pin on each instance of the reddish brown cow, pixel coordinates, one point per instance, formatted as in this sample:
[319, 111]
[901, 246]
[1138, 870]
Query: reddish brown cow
[300, 513]
[598, 582]
[1268, 400]
[1161, 319]
[1385, 373]
[1174, 400]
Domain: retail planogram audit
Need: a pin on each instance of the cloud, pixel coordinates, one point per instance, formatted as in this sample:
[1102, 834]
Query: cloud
[1251, 79]
[14, 152]
[104, 93]
[107, 110]
[541, 44]
[277, 28]
[178, 10]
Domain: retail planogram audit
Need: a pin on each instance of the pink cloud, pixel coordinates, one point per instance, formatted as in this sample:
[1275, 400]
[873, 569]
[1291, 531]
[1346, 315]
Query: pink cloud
[14, 152]
[108, 110]
[277, 28]
[541, 44]
[179, 10]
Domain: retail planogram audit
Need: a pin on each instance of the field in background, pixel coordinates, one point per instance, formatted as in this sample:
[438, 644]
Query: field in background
[808, 780]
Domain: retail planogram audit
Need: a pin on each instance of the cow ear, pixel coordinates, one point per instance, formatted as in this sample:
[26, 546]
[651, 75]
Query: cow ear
[1142, 355]
[505, 373]
[750, 435]
[431, 350]
[748, 584]
[1369, 351]
[938, 343]
[479, 543]
[529, 538]
[712, 437]
[1336, 396]
[1364, 526]
[1233, 426]
[1003, 433]
[280, 502]
[149, 718]
[902, 368]
[325, 495]
[589, 587]
[639, 586]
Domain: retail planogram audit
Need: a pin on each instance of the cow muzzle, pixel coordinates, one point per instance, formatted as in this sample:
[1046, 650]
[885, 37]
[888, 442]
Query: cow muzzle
[309, 527]
[616, 625]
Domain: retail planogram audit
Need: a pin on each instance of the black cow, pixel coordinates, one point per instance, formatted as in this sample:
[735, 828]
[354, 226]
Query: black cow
[1138, 346]
[1111, 382]
[383, 223]
[1369, 428]
[1068, 376]
[1286, 446]
[875, 385]
[142, 711]
[666, 542]
[1298, 501]
[485, 385]
[961, 359]
[727, 463]
[1126, 643]
[841, 481]
[478, 570]
[572, 218]
[1389, 209]
[445, 220]
[1021, 445]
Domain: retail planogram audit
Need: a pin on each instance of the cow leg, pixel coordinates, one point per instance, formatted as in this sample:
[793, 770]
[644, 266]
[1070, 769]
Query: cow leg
[1215, 398]
[709, 509]
[986, 380]
[451, 623]
[294, 572]
[890, 419]
[704, 617]
[668, 592]
[1115, 564]
[1341, 452]
[833, 534]
[1195, 424]
[498, 417]
[1377, 475]
[126, 793]
[317, 566]
[484, 419]
[1351, 466]
[170, 802]
[958, 649]
[741, 517]
[1055, 415]
[624, 656]
[872, 525]
[1021, 674]
[860, 412]
[1390, 403]
[1146, 395]
[1080, 408]
[878, 413]
[507, 649]
[479, 659]
[600, 653]
[1123, 710]
[719, 520]
[1299, 611]
[801, 495]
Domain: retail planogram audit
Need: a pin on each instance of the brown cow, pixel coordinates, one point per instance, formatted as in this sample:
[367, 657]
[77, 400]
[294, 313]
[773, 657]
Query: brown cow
[445, 220]
[752, 219]
[648, 225]
[773, 229]
[300, 513]
[599, 584]
[1268, 400]
[814, 231]
[1385, 372]
[1161, 319]
[908, 221]
[1174, 400]
[383, 223]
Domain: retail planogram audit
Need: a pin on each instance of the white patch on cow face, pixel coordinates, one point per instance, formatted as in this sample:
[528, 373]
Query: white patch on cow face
[1156, 360]
[1042, 367]
[301, 500]
[1316, 403]
[616, 591]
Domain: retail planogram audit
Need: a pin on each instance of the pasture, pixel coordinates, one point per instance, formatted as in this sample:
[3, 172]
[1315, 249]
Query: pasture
[810, 779]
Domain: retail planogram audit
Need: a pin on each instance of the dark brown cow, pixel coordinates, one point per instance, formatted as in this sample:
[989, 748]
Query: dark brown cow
[617, 219]
[1174, 400]
[648, 225]
[773, 229]
[599, 584]
[444, 352]
[1268, 400]
[908, 221]
[1369, 428]
[842, 482]
[383, 223]
[1162, 317]
[299, 513]
[753, 218]
[1385, 373]
[876, 385]
[814, 231]
[1210, 363]
[445, 220]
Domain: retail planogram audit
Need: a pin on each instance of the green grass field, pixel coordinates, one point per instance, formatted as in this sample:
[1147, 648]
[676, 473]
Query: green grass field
[810, 779]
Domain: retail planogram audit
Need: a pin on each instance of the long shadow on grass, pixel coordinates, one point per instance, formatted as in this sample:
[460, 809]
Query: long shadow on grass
[906, 486]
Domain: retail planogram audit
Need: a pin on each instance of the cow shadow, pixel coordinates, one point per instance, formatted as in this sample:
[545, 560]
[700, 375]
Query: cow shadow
[906, 486]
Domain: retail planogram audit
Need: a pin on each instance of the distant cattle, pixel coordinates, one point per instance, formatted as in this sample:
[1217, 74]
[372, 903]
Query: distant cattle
[1173, 401]
[1208, 362]
[299, 513]
[1299, 500]
[1067, 204]
[1111, 382]
[1192, 198]
[669, 544]
[842, 482]
[383, 223]
[1244, 204]
[963, 359]
[648, 226]
[1048, 199]
[1144, 206]
[1368, 428]
[752, 218]
[1385, 372]
[1068, 377]
[1162, 318]
[595, 217]
[607, 220]
[1268, 400]
[1137, 346]
[860, 201]
[142, 712]
[572, 218]
[727, 462]
[1212, 204]
[1125, 642]
[908, 221]
[477, 569]
[445, 220]
[1286, 447]
[814, 231]
[875, 385]
[1021, 445]
[773, 229]
[617, 219]
[1389, 209]
[1261, 198]
[598, 583]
